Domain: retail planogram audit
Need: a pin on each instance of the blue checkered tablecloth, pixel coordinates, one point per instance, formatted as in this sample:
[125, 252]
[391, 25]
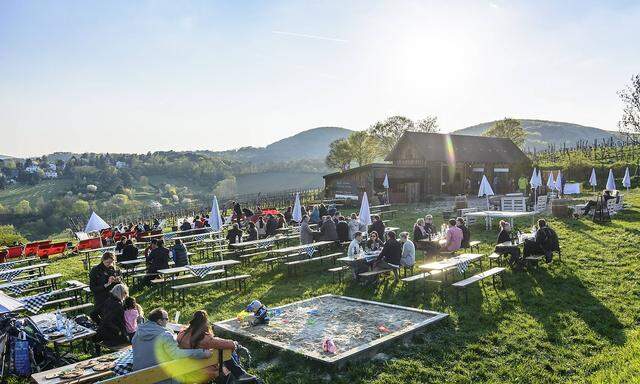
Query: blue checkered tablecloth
[34, 303]
[124, 363]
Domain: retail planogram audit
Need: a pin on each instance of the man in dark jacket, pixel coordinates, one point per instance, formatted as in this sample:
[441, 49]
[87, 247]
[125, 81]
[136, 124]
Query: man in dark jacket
[157, 259]
[129, 252]
[389, 257]
[180, 254]
[237, 210]
[328, 230]
[102, 278]
[185, 226]
[235, 234]
[272, 225]
[377, 225]
[342, 228]
[545, 243]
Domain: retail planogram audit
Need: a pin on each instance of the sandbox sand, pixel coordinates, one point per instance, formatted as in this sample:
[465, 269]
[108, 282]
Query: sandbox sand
[350, 324]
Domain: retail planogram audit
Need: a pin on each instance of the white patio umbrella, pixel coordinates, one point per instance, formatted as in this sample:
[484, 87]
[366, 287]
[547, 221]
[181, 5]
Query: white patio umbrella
[539, 178]
[551, 184]
[626, 181]
[215, 220]
[385, 184]
[592, 180]
[297, 210]
[611, 183]
[485, 189]
[95, 224]
[535, 183]
[365, 215]
[559, 182]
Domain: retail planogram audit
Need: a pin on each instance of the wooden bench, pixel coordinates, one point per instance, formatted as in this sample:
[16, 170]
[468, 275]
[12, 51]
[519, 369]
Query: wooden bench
[377, 273]
[292, 265]
[533, 259]
[462, 284]
[245, 258]
[77, 308]
[273, 260]
[170, 370]
[495, 257]
[239, 280]
[475, 244]
[424, 277]
[337, 271]
[186, 276]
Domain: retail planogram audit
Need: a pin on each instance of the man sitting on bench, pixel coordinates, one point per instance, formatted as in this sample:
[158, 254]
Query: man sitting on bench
[545, 242]
[154, 344]
[390, 255]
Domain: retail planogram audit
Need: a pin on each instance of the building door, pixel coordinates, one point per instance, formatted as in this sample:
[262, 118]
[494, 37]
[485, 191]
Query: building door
[413, 192]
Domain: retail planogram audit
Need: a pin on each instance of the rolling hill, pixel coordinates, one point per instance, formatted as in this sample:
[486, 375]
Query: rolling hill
[543, 132]
[312, 144]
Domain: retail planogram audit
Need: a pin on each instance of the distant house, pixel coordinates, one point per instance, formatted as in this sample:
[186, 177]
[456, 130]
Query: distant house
[427, 164]
[121, 164]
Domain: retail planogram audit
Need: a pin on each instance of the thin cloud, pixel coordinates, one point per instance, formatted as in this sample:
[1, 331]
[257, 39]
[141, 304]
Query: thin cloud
[316, 37]
[494, 5]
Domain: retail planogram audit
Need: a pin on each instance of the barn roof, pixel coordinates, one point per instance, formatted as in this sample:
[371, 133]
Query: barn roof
[433, 147]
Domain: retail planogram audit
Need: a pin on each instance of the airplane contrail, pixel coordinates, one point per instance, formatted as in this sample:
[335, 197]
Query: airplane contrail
[310, 36]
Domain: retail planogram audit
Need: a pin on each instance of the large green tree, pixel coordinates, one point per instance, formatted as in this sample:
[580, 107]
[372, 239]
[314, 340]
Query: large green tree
[387, 133]
[509, 129]
[362, 147]
[340, 155]
[630, 96]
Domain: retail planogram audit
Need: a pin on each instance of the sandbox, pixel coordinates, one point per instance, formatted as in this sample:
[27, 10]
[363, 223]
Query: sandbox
[356, 327]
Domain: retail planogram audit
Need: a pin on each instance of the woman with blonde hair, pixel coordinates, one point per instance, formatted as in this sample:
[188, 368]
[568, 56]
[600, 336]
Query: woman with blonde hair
[112, 330]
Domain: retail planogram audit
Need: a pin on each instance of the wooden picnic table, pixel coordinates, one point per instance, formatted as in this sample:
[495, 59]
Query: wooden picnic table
[53, 278]
[41, 268]
[46, 323]
[255, 243]
[178, 270]
[489, 215]
[9, 264]
[450, 263]
[298, 248]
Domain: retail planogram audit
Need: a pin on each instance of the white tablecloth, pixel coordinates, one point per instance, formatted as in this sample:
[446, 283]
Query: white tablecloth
[571, 188]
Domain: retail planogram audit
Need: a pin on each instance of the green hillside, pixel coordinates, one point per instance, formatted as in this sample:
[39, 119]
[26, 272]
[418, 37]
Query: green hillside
[543, 132]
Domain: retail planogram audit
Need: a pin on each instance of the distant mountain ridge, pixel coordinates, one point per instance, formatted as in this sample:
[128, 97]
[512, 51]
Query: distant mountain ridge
[312, 144]
[544, 132]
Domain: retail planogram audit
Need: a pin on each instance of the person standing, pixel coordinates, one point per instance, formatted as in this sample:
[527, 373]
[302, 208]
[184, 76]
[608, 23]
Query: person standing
[102, 278]
[408, 258]
[354, 226]
[342, 228]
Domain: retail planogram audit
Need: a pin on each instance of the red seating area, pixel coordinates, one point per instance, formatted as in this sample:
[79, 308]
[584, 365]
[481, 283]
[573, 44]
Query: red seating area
[52, 249]
[92, 243]
[31, 249]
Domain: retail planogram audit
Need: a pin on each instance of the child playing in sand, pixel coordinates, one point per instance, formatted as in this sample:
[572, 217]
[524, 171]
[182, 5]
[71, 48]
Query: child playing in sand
[259, 313]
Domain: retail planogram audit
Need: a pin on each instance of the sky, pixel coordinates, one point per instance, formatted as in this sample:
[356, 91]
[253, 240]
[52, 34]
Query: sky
[138, 76]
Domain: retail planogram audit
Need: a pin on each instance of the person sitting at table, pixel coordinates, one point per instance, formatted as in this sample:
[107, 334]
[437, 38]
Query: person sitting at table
[328, 230]
[180, 253]
[129, 252]
[186, 225]
[419, 232]
[377, 225]
[505, 232]
[112, 330]
[133, 315]
[342, 228]
[197, 223]
[288, 215]
[374, 243]
[306, 233]
[154, 344]
[428, 225]
[453, 237]
[102, 278]
[408, 258]
[282, 223]
[466, 234]
[120, 244]
[153, 244]
[545, 242]
[354, 226]
[315, 216]
[252, 232]
[354, 246]
[158, 259]
[261, 228]
[322, 210]
[235, 234]
[199, 335]
[389, 257]
[272, 225]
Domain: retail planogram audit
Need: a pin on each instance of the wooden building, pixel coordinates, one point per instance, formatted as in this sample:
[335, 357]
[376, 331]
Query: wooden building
[427, 164]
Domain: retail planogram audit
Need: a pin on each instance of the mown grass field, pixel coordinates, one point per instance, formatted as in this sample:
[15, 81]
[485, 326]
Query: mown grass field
[13, 194]
[572, 321]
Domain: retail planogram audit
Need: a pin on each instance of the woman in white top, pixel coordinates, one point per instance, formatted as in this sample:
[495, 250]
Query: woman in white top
[354, 225]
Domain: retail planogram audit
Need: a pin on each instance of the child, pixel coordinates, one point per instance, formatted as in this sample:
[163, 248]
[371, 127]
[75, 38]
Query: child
[133, 313]
[259, 313]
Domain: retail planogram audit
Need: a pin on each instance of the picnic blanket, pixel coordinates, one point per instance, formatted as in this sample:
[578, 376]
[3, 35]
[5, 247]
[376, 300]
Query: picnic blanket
[200, 270]
[10, 275]
[34, 303]
[124, 363]
[310, 250]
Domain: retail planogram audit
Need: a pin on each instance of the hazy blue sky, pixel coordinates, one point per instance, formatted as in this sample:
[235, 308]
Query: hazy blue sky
[133, 76]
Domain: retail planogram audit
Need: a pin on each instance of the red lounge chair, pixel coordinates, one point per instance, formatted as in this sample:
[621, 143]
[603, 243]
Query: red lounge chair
[31, 249]
[52, 249]
[92, 243]
[14, 252]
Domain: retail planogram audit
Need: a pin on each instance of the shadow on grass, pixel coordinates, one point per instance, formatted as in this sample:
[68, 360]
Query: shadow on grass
[562, 294]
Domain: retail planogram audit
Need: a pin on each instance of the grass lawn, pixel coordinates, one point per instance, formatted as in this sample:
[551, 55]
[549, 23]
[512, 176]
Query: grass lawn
[571, 321]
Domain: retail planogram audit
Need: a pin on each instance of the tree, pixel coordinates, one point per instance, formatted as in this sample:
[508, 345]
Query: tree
[509, 129]
[387, 133]
[340, 155]
[429, 125]
[362, 147]
[23, 208]
[630, 96]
